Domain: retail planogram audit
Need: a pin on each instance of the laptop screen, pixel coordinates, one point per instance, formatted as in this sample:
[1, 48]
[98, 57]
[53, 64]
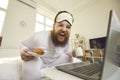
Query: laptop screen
[112, 49]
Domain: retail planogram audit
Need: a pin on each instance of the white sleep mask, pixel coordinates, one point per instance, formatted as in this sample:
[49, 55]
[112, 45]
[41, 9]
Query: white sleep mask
[65, 16]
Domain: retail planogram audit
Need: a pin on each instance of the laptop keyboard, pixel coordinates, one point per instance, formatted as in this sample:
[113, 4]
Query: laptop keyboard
[89, 69]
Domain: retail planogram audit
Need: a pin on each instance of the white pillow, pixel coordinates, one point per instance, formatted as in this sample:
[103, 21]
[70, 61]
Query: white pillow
[10, 69]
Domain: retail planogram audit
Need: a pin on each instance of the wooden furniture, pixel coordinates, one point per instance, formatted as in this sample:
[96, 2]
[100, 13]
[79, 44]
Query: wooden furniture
[92, 55]
[0, 40]
[78, 41]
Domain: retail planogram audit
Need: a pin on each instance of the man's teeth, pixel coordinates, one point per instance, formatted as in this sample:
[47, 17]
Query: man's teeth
[62, 34]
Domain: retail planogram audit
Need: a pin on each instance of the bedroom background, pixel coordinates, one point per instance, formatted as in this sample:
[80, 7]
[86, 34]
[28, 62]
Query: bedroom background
[91, 19]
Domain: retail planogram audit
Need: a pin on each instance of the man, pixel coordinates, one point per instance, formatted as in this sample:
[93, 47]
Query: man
[54, 43]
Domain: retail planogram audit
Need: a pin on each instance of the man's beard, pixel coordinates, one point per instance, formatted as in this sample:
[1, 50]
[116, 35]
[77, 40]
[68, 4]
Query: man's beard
[55, 40]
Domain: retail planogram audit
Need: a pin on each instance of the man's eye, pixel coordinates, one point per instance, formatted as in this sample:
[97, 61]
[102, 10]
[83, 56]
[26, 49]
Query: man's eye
[69, 27]
[60, 25]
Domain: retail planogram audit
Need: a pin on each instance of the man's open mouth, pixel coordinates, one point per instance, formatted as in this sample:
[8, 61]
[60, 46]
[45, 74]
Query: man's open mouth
[62, 34]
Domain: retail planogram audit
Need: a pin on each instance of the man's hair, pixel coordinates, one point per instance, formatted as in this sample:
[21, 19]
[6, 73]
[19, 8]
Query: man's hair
[62, 12]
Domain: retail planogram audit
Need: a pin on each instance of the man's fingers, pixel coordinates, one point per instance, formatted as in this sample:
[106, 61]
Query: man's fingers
[27, 54]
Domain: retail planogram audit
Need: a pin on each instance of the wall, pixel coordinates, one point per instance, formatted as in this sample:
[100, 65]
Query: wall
[93, 21]
[19, 24]
[45, 12]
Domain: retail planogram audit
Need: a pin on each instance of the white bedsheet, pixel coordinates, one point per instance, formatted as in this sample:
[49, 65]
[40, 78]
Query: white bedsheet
[10, 64]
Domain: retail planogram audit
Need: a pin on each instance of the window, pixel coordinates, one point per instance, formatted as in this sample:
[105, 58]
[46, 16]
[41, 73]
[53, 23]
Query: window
[3, 4]
[3, 7]
[43, 23]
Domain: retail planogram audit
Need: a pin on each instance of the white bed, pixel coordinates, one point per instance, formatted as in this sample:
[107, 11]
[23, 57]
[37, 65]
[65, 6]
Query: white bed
[10, 64]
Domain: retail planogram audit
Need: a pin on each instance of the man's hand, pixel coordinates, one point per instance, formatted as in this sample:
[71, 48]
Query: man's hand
[26, 56]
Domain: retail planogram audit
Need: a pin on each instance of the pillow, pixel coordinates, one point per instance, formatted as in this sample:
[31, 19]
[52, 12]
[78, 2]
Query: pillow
[10, 69]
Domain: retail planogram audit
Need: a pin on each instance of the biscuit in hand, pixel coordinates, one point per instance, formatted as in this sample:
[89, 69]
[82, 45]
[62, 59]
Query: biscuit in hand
[38, 51]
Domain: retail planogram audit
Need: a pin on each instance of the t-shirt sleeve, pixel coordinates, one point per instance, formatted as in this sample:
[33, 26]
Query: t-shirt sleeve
[28, 43]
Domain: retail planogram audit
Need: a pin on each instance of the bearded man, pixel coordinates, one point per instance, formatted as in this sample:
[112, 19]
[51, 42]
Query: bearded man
[55, 45]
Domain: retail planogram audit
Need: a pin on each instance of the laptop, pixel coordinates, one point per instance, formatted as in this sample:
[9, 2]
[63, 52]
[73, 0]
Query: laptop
[111, 57]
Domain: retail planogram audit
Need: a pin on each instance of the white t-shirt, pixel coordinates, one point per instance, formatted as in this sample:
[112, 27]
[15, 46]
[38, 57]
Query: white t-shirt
[43, 40]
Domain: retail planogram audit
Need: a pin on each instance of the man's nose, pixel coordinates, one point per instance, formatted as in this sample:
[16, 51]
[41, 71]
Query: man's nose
[64, 28]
